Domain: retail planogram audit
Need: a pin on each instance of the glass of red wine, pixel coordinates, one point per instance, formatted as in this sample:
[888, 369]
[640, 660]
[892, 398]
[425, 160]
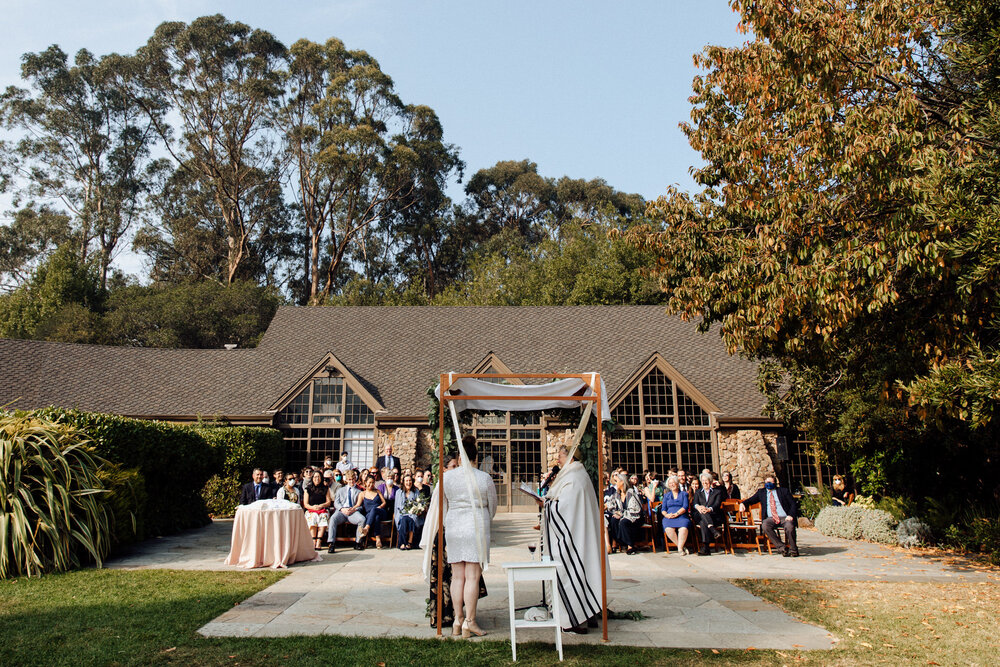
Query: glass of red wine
[531, 549]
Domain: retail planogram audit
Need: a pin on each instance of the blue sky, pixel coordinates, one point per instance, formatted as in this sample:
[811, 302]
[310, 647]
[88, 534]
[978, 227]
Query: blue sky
[585, 89]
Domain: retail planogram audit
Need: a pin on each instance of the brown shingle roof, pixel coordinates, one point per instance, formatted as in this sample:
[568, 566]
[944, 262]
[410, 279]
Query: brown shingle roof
[396, 352]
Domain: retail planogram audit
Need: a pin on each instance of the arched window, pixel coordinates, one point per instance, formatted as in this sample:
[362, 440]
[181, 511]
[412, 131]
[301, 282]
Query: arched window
[660, 427]
[324, 418]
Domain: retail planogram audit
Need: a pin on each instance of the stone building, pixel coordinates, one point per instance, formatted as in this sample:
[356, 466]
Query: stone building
[356, 378]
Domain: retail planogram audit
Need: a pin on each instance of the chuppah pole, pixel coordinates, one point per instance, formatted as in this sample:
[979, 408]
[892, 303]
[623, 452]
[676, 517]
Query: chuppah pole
[600, 511]
[440, 536]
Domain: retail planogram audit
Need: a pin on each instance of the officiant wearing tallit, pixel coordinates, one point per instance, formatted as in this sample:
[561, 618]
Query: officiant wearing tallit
[571, 525]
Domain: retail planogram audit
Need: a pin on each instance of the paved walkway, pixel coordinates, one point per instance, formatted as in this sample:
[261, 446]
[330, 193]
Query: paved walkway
[688, 601]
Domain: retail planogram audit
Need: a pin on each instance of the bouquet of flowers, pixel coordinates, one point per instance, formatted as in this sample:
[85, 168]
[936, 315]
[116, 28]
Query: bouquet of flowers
[416, 507]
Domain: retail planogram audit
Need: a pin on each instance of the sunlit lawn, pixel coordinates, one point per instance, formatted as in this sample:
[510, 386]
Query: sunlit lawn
[151, 616]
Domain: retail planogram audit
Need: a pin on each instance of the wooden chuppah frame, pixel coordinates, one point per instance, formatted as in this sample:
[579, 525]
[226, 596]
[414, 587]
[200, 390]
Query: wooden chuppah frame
[586, 378]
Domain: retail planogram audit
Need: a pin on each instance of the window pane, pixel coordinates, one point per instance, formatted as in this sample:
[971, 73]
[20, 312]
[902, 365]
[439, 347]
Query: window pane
[529, 418]
[360, 445]
[658, 397]
[327, 397]
[696, 450]
[489, 418]
[296, 440]
[325, 443]
[626, 451]
[356, 412]
[690, 412]
[660, 457]
[627, 412]
[296, 412]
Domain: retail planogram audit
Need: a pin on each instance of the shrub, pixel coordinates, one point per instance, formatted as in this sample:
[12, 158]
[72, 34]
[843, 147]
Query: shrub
[241, 449]
[810, 505]
[913, 532]
[52, 516]
[898, 506]
[857, 523]
[977, 533]
[878, 526]
[173, 460]
[126, 502]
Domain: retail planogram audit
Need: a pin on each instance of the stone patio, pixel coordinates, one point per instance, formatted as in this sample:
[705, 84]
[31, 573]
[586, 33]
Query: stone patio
[687, 601]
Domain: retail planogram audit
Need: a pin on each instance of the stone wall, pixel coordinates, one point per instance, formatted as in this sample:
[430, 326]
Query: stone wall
[749, 454]
[554, 439]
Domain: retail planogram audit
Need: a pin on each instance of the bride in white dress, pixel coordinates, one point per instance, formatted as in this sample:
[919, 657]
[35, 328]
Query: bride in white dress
[467, 522]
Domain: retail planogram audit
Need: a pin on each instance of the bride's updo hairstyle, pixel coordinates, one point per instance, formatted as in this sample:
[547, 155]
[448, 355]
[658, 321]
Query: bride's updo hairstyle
[469, 442]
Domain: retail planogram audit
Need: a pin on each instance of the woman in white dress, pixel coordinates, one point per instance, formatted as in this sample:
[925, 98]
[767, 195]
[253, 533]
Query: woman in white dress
[471, 502]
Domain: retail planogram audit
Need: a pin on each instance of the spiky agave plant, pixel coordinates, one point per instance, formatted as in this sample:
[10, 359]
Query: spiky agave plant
[52, 510]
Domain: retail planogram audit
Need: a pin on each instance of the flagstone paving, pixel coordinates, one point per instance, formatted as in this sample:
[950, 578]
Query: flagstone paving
[687, 601]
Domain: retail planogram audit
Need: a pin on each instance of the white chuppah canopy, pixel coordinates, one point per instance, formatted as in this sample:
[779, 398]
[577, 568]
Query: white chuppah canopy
[565, 387]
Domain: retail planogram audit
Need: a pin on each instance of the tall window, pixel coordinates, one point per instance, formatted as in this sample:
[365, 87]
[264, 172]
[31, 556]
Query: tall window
[325, 418]
[511, 445]
[660, 427]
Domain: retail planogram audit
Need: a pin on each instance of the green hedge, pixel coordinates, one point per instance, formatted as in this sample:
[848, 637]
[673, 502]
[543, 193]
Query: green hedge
[241, 449]
[173, 460]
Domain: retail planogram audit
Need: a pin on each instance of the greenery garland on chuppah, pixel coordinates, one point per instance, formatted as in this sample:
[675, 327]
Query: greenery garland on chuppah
[587, 452]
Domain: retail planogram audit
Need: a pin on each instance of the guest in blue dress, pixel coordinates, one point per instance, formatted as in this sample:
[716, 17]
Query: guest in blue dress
[407, 525]
[674, 510]
[374, 503]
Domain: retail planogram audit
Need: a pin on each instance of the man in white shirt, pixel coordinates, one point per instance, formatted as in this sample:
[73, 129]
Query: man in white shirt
[344, 464]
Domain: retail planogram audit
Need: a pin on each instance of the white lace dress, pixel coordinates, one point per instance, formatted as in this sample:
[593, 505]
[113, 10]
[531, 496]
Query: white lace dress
[460, 511]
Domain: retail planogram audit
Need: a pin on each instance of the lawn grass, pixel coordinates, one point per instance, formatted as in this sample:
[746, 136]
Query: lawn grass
[151, 617]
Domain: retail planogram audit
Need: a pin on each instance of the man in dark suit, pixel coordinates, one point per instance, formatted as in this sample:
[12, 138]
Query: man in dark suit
[257, 489]
[778, 508]
[388, 460]
[707, 514]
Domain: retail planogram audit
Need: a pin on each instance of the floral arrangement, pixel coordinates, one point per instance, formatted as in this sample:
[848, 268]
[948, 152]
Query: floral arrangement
[416, 507]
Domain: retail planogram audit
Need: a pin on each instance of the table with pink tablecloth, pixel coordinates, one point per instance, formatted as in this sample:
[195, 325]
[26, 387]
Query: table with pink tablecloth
[270, 533]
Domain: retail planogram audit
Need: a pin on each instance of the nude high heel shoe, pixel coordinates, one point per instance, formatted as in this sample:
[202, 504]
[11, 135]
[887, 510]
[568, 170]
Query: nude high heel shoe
[469, 628]
[456, 628]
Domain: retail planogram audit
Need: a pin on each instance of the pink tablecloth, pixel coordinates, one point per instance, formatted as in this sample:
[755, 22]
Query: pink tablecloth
[263, 536]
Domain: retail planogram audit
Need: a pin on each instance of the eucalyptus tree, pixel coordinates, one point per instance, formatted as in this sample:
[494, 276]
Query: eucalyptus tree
[352, 166]
[83, 141]
[221, 81]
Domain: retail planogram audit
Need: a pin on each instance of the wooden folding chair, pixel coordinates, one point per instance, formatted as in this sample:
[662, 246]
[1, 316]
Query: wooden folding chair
[756, 516]
[740, 526]
[652, 512]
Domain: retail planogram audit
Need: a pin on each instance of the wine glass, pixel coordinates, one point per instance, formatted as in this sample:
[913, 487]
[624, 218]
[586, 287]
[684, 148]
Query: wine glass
[531, 549]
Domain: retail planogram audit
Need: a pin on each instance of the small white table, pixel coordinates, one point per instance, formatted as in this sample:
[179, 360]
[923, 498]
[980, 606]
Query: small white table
[543, 570]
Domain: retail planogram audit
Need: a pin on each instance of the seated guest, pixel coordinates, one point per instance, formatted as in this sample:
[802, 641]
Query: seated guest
[289, 491]
[256, 490]
[429, 479]
[839, 495]
[374, 505]
[418, 484]
[388, 488]
[609, 488]
[707, 512]
[778, 509]
[327, 463]
[408, 524]
[363, 478]
[317, 505]
[674, 511]
[682, 478]
[715, 480]
[344, 510]
[653, 490]
[278, 480]
[693, 487]
[729, 487]
[631, 521]
[306, 477]
[344, 464]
